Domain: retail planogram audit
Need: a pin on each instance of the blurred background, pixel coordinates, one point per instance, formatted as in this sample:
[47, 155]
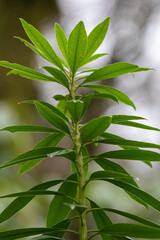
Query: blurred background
[133, 36]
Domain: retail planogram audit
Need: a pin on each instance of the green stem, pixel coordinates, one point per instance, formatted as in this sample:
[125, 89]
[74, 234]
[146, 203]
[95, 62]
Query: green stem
[80, 169]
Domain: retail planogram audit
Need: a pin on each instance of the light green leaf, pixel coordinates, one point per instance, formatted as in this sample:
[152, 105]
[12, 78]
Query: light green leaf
[62, 41]
[96, 37]
[131, 230]
[106, 96]
[41, 43]
[142, 155]
[58, 211]
[108, 174]
[21, 202]
[111, 71]
[26, 72]
[110, 90]
[29, 128]
[77, 44]
[75, 108]
[94, 128]
[50, 141]
[59, 75]
[138, 125]
[122, 118]
[42, 152]
[93, 58]
[86, 100]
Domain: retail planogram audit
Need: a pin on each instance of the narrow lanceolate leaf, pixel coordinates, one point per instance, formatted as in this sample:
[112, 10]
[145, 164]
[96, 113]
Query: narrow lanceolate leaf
[86, 101]
[58, 210]
[142, 155]
[42, 152]
[59, 75]
[21, 202]
[75, 108]
[132, 217]
[122, 118]
[153, 202]
[94, 128]
[101, 220]
[138, 125]
[50, 141]
[51, 117]
[26, 232]
[62, 41]
[109, 165]
[105, 96]
[108, 174]
[93, 58]
[110, 90]
[131, 230]
[111, 71]
[126, 142]
[77, 44]
[27, 72]
[41, 43]
[28, 128]
[96, 37]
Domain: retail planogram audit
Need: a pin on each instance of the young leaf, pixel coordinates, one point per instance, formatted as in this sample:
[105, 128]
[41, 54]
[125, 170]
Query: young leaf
[111, 71]
[93, 58]
[75, 108]
[21, 202]
[58, 211]
[62, 41]
[77, 44]
[27, 72]
[142, 155]
[41, 43]
[96, 37]
[110, 90]
[59, 75]
[94, 128]
[50, 141]
[29, 128]
[131, 230]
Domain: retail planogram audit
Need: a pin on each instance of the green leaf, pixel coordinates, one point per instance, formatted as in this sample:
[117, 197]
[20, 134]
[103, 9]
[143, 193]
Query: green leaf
[47, 237]
[108, 174]
[138, 125]
[86, 101]
[29, 128]
[77, 44]
[59, 75]
[50, 115]
[62, 41]
[42, 152]
[75, 108]
[111, 71]
[96, 37]
[21, 202]
[153, 202]
[94, 128]
[58, 211]
[105, 96]
[50, 141]
[126, 142]
[41, 43]
[93, 58]
[121, 118]
[27, 72]
[131, 230]
[110, 90]
[101, 220]
[142, 155]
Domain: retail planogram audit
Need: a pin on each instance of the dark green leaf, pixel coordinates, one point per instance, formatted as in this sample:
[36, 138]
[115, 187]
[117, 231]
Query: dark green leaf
[50, 141]
[131, 230]
[110, 90]
[26, 72]
[59, 75]
[111, 71]
[96, 37]
[86, 100]
[41, 43]
[94, 128]
[122, 118]
[106, 96]
[142, 155]
[28, 128]
[138, 125]
[77, 44]
[108, 174]
[21, 202]
[58, 211]
[75, 108]
[62, 41]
